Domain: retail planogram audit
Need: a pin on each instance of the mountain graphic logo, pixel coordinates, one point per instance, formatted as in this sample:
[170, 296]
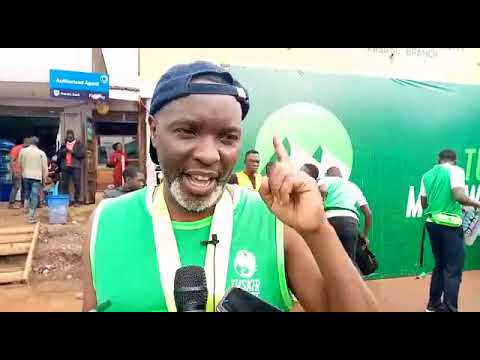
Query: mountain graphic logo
[311, 134]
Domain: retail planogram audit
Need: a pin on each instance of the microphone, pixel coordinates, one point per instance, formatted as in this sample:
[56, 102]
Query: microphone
[190, 289]
[213, 241]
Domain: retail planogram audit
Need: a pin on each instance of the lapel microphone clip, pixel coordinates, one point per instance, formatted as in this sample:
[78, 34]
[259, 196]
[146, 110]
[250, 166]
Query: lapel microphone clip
[213, 241]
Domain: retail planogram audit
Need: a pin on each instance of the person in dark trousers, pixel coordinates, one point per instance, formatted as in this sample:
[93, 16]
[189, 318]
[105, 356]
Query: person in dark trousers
[442, 194]
[70, 156]
[342, 200]
[17, 173]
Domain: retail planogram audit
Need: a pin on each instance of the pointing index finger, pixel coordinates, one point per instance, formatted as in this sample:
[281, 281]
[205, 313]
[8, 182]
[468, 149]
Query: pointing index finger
[280, 151]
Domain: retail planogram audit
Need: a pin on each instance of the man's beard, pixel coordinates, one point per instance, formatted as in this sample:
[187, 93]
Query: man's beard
[191, 202]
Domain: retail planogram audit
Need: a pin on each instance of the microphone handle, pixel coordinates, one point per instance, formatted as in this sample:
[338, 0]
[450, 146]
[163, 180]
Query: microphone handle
[192, 308]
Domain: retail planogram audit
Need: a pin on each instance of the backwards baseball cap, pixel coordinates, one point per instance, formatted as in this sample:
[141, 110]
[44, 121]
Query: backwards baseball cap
[177, 83]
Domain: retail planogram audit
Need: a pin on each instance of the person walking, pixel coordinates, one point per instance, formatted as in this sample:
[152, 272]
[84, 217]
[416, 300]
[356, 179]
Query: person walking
[33, 163]
[16, 174]
[442, 194]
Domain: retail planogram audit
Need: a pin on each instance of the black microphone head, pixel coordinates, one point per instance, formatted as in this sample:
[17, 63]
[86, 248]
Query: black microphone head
[190, 289]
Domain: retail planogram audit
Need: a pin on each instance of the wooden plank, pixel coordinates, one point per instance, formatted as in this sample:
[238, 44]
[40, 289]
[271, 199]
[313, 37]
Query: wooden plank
[23, 229]
[14, 249]
[11, 277]
[28, 264]
[8, 269]
[8, 239]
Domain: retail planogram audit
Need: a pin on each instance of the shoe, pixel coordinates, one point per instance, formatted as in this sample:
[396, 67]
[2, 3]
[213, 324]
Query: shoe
[13, 206]
[76, 204]
[436, 308]
[32, 220]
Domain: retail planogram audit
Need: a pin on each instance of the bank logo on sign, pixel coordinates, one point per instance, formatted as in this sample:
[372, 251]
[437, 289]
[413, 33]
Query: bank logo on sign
[311, 134]
[104, 79]
[245, 264]
[56, 92]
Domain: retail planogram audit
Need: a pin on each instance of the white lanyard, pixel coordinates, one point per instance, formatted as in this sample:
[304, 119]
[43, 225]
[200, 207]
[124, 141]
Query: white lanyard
[167, 251]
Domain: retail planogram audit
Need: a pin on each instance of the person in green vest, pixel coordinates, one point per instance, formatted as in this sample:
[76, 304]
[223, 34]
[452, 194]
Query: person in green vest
[272, 243]
[249, 177]
[343, 198]
[442, 194]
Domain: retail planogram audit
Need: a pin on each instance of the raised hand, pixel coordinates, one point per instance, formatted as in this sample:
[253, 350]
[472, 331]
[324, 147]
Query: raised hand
[292, 195]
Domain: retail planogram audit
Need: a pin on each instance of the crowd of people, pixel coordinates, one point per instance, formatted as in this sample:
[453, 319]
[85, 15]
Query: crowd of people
[34, 175]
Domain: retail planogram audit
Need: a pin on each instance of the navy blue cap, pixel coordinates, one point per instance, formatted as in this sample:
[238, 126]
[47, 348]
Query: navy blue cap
[177, 83]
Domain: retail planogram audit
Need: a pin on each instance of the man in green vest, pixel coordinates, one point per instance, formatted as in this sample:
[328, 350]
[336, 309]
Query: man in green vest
[442, 192]
[271, 242]
[343, 198]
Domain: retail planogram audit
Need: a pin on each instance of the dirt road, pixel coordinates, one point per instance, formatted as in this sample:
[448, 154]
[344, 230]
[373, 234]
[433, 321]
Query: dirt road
[42, 295]
[56, 271]
[59, 249]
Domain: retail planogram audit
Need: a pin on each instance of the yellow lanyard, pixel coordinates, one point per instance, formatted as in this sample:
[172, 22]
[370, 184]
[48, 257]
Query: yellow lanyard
[167, 251]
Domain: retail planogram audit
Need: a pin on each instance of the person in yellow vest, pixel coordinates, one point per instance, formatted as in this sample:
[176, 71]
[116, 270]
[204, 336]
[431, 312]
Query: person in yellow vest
[248, 177]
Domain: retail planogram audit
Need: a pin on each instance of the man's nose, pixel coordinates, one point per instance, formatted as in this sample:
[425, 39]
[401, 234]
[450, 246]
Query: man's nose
[206, 151]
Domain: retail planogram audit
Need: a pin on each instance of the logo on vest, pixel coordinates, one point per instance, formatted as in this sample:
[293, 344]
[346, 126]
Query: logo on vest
[245, 265]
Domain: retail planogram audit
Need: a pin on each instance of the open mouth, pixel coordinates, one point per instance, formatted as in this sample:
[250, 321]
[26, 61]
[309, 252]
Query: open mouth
[199, 185]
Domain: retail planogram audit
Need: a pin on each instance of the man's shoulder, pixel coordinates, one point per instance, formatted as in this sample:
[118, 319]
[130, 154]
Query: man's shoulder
[444, 168]
[28, 150]
[354, 186]
[113, 193]
[331, 180]
[16, 148]
[247, 200]
[433, 170]
[456, 170]
[127, 203]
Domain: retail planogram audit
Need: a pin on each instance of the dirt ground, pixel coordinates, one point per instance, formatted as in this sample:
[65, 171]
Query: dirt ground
[59, 248]
[56, 273]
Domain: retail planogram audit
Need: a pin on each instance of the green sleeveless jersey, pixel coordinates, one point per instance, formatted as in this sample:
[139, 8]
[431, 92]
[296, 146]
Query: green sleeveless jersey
[437, 185]
[343, 195]
[124, 262]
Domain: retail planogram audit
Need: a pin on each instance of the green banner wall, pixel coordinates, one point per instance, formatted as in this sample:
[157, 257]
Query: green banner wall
[383, 133]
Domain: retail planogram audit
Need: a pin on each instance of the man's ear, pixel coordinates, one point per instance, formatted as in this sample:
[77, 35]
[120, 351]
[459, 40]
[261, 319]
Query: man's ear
[152, 123]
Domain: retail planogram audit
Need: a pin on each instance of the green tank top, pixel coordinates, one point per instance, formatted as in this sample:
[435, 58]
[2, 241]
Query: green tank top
[341, 195]
[124, 263]
[439, 192]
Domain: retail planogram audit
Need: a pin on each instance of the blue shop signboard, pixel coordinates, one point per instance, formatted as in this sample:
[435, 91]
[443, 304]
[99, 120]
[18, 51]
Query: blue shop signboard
[79, 85]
